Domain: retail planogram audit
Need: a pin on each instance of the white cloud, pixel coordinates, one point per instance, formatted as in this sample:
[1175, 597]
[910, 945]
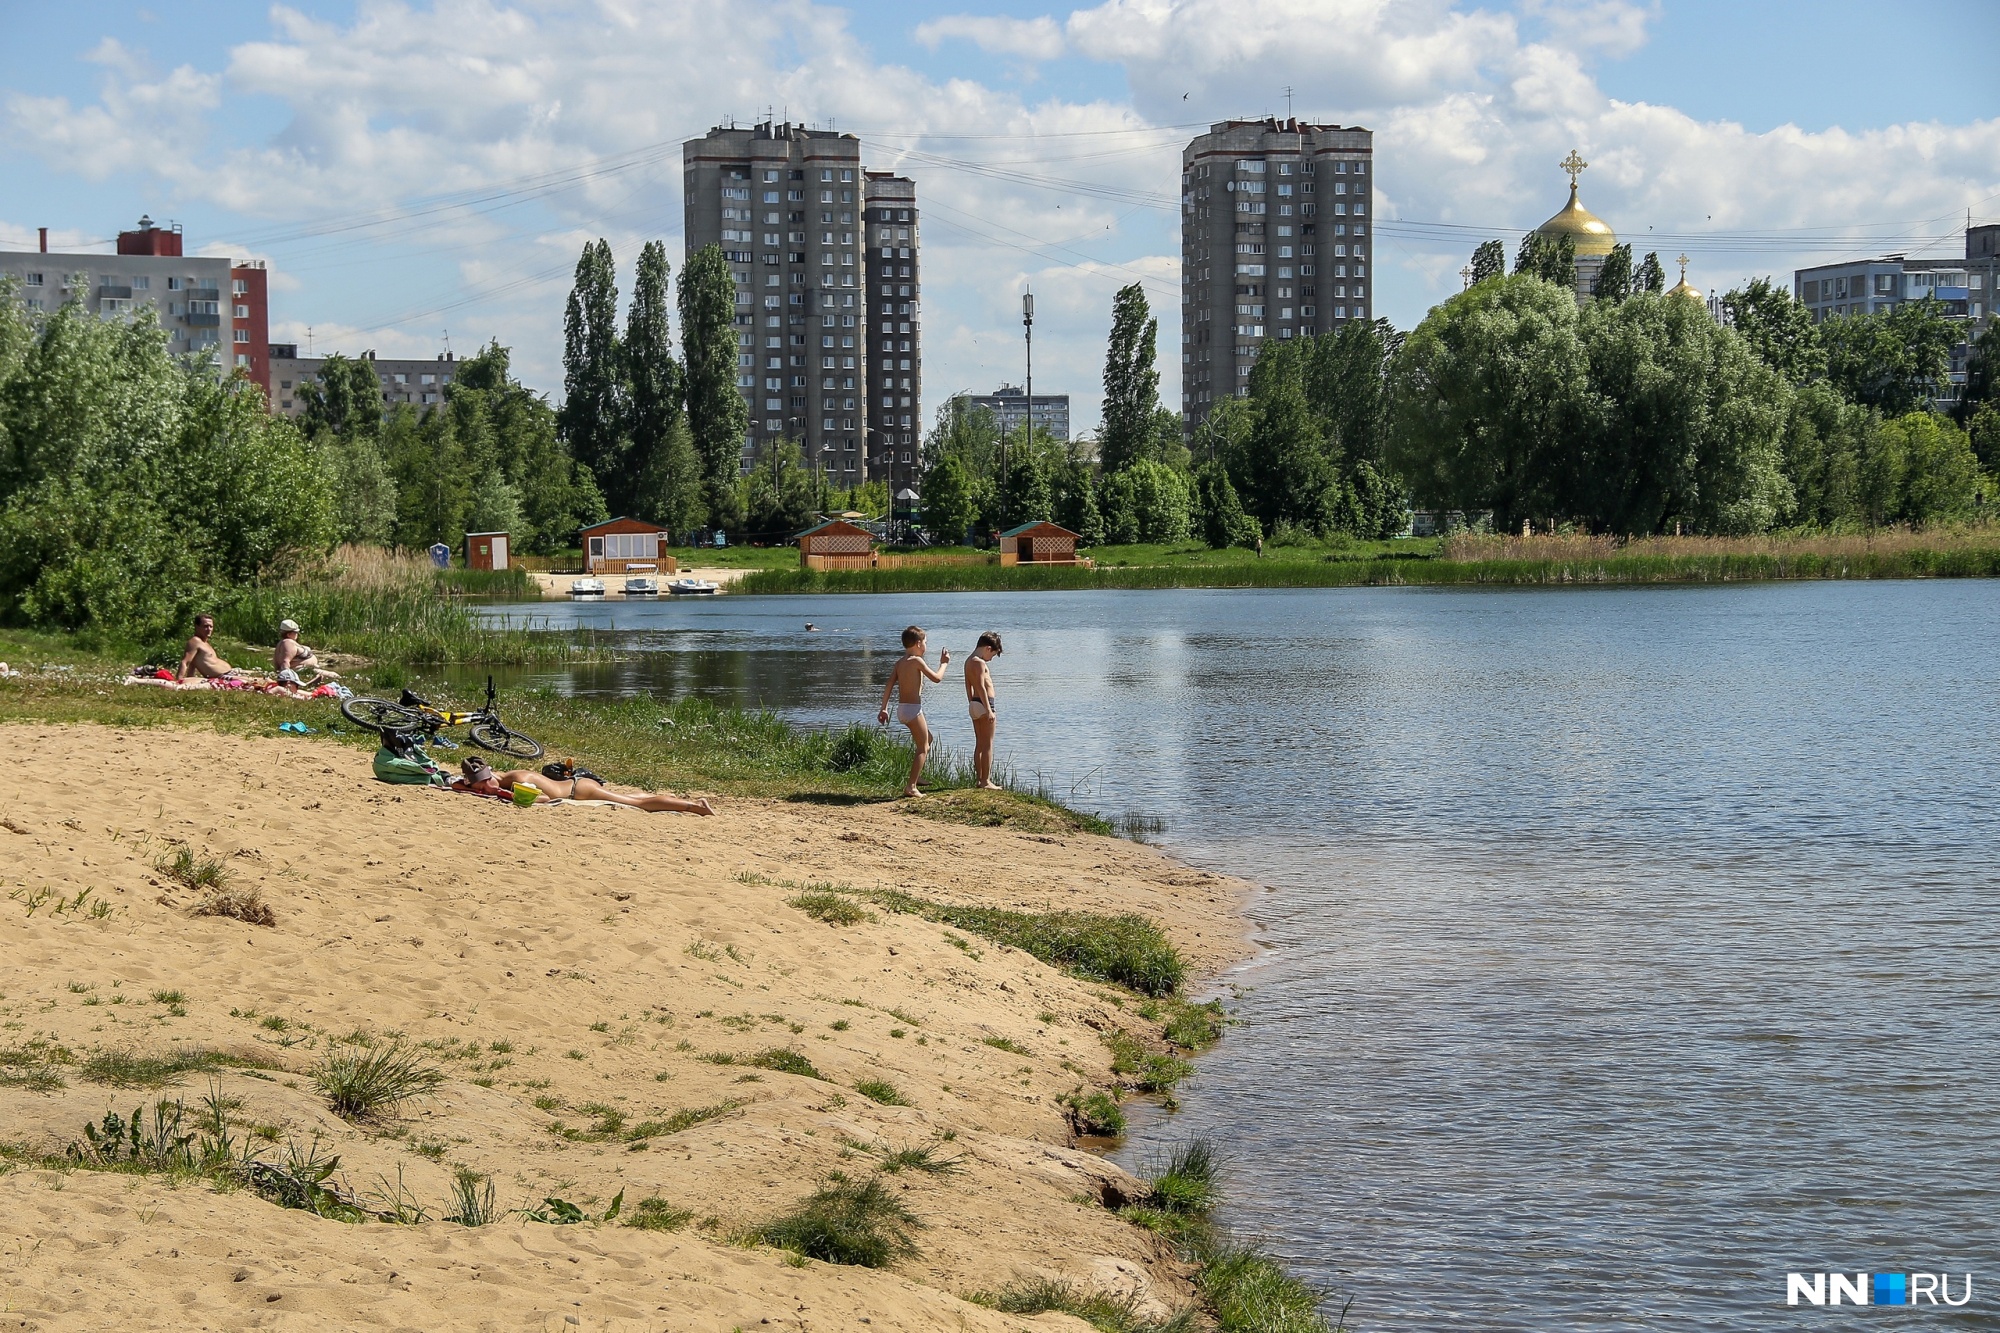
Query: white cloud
[1473, 104]
[1033, 39]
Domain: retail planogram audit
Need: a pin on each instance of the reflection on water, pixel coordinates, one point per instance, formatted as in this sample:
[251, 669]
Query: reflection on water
[1623, 950]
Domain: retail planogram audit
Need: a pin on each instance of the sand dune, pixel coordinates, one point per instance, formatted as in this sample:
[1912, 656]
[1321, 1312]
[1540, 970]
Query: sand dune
[588, 957]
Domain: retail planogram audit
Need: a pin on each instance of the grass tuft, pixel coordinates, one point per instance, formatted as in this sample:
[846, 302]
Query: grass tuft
[656, 1214]
[1143, 1069]
[836, 909]
[1101, 1310]
[686, 1118]
[845, 1222]
[472, 1197]
[781, 1060]
[192, 870]
[880, 1090]
[927, 1158]
[245, 905]
[1095, 1114]
[360, 1083]
[1185, 1182]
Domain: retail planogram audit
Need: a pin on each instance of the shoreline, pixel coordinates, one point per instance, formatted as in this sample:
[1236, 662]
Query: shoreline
[599, 970]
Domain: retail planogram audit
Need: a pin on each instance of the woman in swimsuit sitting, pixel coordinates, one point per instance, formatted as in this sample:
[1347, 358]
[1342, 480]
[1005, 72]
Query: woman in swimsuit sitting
[985, 709]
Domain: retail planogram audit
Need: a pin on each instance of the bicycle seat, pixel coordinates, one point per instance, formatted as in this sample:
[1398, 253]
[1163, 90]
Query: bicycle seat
[413, 700]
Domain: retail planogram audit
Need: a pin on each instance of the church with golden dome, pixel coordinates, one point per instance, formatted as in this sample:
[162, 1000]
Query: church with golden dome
[1592, 240]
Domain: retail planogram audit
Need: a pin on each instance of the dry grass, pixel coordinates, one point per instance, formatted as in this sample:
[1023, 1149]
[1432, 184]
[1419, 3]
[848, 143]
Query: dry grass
[1474, 547]
[245, 905]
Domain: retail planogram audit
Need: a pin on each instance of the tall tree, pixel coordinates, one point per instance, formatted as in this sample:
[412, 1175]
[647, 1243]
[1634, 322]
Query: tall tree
[1778, 329]
[1346, 379]
[718, 416]
[1614, 279]
[950, 505]
[1131, 381]
[662, 475]
[592, 418]
[1650, 277]
[1488, 397]
[1284, 470]
[1896, 361]
[1489, 261]
[1982, 375]
[345, 399]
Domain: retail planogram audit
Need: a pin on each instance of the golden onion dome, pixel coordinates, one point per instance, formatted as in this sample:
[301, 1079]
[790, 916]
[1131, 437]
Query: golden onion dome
[1686, 288]
[1588, 233]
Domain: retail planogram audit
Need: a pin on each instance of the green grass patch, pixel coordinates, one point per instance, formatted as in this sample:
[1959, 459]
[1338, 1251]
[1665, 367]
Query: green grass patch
[1128, 950]
[1101, 1310]
[823, 904]
[1095, 1113]
[687, 1118]
[1142, 1068]
[882, 1091]
[1004, 1044]
[845, 1222]
[656, 1214]
[131, 1069]
[783, 1060]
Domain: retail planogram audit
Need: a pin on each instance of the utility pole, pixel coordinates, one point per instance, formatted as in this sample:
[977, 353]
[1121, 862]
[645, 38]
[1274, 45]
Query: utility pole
[1028, 332]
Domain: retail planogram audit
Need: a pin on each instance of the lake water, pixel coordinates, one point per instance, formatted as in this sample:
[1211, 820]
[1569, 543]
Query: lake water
[1622, 950]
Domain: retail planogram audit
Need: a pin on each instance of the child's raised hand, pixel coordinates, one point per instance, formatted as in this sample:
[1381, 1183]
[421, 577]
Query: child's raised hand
[944, 658]
[883, 717]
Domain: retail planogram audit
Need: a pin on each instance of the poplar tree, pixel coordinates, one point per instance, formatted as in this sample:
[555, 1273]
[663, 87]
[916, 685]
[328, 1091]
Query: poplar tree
[1131, 382]
[718, 417]
[1489, 261]
[1650, 277]
[592, 417]
[1614, 279]
[662, 478]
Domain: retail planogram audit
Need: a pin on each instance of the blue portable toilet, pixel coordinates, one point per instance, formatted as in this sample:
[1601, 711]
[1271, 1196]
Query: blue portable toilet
[441, 556]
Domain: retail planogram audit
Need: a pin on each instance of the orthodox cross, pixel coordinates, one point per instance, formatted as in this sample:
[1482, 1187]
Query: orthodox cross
[1574, 165]
[1683, 262]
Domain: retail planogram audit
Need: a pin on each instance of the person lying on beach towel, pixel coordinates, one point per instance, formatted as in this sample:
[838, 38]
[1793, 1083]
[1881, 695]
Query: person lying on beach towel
[580, 785]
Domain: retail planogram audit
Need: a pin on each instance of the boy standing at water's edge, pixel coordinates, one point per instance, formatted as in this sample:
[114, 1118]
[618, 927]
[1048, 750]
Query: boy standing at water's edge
[907, 681]
[985, 709]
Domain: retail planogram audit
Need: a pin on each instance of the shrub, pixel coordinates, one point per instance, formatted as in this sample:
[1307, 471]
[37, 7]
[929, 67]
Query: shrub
[847, 1223]
[880, 1090]
[359, 1082]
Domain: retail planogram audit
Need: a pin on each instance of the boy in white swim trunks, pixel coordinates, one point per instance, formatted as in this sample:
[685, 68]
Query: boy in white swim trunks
[985, 709]
[907, 683]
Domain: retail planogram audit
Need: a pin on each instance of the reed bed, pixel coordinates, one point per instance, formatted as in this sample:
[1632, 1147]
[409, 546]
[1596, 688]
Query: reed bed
[392, 607]
[1481, 560]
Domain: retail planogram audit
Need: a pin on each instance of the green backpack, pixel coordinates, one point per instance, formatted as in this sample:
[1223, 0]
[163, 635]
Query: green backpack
[414, 769]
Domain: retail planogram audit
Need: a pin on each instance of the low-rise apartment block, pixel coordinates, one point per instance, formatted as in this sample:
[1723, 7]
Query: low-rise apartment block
[414, 382]
[206, 305]
[1963, 287]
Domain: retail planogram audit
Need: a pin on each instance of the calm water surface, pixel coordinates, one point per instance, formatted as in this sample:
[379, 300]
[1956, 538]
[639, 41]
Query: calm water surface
[1622, 950]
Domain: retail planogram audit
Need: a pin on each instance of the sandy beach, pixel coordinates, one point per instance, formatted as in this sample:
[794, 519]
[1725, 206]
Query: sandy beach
[563, 966]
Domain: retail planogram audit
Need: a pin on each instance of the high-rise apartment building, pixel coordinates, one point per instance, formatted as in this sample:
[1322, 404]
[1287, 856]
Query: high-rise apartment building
[205, 305]
[1010, 408]
[1275, 243]
[895, 343]
[785, 204]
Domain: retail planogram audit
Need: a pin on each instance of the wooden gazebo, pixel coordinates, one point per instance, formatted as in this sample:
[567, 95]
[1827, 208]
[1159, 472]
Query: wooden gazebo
[836, 544]
[1038, 544]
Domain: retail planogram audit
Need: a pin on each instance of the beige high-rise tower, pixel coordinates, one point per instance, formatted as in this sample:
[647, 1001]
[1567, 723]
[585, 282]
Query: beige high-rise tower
[1276, 242]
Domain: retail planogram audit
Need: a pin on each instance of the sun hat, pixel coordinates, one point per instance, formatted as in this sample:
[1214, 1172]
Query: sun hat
[288, 627]
[288, 677]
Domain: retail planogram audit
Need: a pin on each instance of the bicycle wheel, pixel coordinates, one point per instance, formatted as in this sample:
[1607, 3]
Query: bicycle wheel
[495, 737]
[380, 715]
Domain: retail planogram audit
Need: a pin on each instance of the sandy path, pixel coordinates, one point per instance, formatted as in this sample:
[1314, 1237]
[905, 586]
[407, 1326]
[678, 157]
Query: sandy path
[585, 955]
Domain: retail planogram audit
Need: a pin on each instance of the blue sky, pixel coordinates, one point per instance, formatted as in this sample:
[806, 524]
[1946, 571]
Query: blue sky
[341, 142]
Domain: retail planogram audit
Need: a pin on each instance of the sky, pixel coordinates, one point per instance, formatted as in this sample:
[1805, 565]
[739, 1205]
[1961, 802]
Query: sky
[423, 173]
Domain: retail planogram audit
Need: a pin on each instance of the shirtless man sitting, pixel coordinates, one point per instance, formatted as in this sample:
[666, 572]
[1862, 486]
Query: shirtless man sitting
[201, 659]
[295, 657]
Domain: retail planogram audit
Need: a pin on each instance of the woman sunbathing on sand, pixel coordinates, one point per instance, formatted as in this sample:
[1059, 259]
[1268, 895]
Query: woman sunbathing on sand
[580, 787]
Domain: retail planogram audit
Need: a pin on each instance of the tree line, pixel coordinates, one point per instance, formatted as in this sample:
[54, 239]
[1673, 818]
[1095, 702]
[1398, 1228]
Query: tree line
[1632, 412]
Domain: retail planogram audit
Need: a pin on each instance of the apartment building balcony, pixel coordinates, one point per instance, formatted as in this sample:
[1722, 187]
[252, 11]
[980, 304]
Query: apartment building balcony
[114, 292]
[203, 321]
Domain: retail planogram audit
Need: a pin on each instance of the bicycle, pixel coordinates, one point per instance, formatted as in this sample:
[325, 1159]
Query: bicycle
[415, 713]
